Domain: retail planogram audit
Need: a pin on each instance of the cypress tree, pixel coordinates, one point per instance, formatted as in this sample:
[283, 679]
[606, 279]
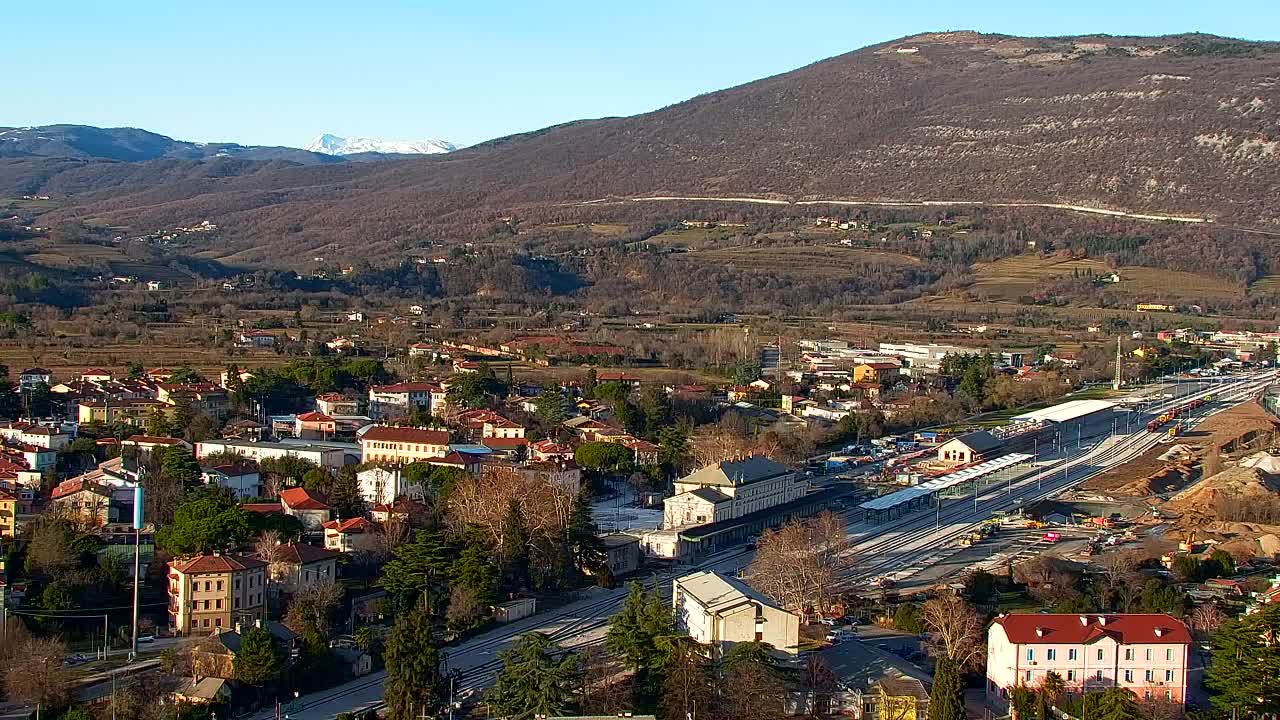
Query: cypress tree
[413, 686]
[946, 700]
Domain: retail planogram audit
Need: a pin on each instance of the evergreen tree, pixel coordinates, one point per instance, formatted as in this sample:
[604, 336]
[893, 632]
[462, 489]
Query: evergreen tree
[344, 494]
[1246, 663]
[419, 573]
[515, 548]
[413, 686]
[207, 519]
[642, 634]
[259, 658]
[537, 679]
[582, 537]
[474, 569]
[688, 686]
[946, 700]
[551, 405]
[178, 464]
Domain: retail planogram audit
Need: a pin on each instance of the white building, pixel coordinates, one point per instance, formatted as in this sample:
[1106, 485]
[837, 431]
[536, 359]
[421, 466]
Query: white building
[380, 486]
[729, 490]
[920, 359]
[323, 455]
[401, 399]
[243, 479]
[1147, 654]
[719, 611]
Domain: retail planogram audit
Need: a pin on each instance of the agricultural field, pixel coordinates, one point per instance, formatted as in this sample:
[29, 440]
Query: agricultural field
[600, 229]
[1266, 285]
[812, 261]
[1017, 276]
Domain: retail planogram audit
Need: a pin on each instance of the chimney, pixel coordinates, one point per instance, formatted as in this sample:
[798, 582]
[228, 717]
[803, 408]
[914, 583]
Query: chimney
[257, 622]
[238, 629]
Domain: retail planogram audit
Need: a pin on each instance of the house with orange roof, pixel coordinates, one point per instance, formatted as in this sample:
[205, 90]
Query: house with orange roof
[353, 535]
[310, 509]
[314, 426]
[95, 375]
[8, 516]
[293, 567]
[392, 444]
[87, 500]
[213, 591]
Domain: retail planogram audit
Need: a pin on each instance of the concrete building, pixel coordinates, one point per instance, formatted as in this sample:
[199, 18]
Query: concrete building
[1145, 654]
[327, 455]
[381, 486]
[398, 445]
[919, 360]
[969, 448]
[622, 554]
[400, 399]
[719, 611]
[731, 489]
[215, 591]
[295, 567]
[243, 479]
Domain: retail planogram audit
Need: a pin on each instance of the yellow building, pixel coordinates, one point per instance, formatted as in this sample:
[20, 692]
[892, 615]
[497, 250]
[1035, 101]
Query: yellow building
[386, 443]
[898, 697]
[208, 592]
[130, 412]
[873, 372]
[8, 515]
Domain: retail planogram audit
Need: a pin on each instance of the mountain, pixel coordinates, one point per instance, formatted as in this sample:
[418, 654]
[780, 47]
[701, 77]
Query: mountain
[1179, 125]
[334, 145]
[132, 145]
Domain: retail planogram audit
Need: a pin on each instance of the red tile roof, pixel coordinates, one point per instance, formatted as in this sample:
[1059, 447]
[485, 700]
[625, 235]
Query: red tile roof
[236, 469]
[314, 417]
[406, 387]
[350, 525]
[295, 554]
[454, 459]
[388, 433]
[262, 508]
[1079, 629]
[152, 440]
[71, 487]
[217, 564]
[301, 499]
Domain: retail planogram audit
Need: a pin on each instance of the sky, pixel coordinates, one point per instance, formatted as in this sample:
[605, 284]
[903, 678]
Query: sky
[280, 72]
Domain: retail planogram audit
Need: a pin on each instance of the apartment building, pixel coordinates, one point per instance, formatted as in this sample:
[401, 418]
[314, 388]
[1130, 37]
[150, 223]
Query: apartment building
[1147, 654]
[389, 444]
[719, 611]
[215, 591]
[401, 399]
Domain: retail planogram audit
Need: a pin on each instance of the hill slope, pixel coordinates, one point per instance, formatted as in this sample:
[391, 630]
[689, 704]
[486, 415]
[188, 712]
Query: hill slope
[1178, 125]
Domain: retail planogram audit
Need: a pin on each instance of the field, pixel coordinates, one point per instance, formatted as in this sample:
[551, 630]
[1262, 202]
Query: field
[813, 261]
[1266, 285]
[1021, 275]
[601, 229]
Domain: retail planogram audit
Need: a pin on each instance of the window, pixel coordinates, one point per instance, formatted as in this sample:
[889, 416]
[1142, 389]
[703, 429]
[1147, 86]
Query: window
[1168, 654]
[1128, 653]
[1071, 654]
[206, 604]
[1151, 675]
[1128, 676]
[1031, 654]
[219, 586]
[1147, 694]
[1099, 654]
[207, 586]
[1150, 654]
[219, 604]
[204, 622]
[1168, 694]
[1028, 676]
[1099, 676]
[1168, 676]
[1071, 675]
[217, 622]
[1051, 654]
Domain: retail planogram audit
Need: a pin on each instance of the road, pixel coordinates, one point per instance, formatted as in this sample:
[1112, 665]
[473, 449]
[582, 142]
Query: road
[897, 549]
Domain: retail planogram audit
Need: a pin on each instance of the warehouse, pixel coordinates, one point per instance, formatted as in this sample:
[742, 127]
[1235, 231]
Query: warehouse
[1068, 412]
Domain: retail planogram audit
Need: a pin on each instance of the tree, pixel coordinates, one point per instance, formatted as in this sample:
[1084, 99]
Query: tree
[475, 570]
[344, 494]
[1219, 564]
[582, 537]
[178, 464]
[515, 548]
[800, 564]
[32, 669]
[907, 619]
[550, 405]
[1052, 686]
[1187, 568]
[639, 633]
[207, 519]
[688, 686]
[259, 659]
[751, 684]
[312, 608]
[419, 573]
[946, 697]
[537, 679]
[955, 630]
[1245, 663]
[413, 686]
[604, 457]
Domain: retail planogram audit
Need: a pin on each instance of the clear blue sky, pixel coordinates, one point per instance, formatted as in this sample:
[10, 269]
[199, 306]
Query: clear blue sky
[282, 72]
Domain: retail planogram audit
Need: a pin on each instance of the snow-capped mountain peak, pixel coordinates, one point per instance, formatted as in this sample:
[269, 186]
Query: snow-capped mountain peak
[334, 145]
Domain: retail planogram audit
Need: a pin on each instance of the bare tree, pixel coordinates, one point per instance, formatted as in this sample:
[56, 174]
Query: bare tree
[601, 692]
[268, 546]
[33, 672]
[1206, 618]
[464, 608]
[955, 631]
[1120, 577]
[314, 605]
[390, 534]
[802, 563]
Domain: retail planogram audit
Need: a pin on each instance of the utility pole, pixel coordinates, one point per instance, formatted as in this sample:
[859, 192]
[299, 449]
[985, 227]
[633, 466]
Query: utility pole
[137, 564]
[1115, 384]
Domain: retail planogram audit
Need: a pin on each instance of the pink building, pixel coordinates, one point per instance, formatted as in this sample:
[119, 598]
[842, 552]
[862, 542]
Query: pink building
[1145, 654]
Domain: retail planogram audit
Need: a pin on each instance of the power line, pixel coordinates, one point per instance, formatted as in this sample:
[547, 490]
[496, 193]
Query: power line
[52, 613]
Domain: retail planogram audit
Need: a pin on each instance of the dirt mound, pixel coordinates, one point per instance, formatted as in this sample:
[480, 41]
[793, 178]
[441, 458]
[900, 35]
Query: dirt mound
[1158, 471]
[1201, 500]
[1240, 428]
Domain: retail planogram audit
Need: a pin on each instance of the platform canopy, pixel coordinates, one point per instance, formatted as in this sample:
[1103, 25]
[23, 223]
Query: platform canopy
[894, 499]
[1065, 412]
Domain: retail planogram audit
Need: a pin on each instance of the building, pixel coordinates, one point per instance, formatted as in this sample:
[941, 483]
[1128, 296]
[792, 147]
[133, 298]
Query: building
[731, 489]
[969, 448]
[333, 404]
[327, 455]
[207, 592]
[719, 611]
[390, 444]
[354, 535]
[256, 338]
[401, 399]
[216, 659]
[31, 378]
[50, 438]
[305, 505]
[146, 443]
[8, 516]
[381, 486]
[314, 426]
[295, 567]
[919, 360]
[243, 479]
[622, 554]
[133, 412]
[1145, 654]
[874, 372]
[87, 500]
[898, 697]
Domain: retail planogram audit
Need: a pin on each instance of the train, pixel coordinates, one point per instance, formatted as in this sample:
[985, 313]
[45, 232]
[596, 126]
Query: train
[1180, 411]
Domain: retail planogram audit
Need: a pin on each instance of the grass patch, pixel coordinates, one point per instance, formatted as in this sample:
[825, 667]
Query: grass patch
[801, 261]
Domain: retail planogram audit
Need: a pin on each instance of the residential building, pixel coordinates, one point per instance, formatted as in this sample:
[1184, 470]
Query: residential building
[354, 535]
[31, 378]
[390, 444]
[919, 360]
[207, 592]
[256, 338]
[898, 697]
[719, 611]
[622, 554]
[146, 443]
[327, 455]
[216, 659]
[1147, 654]
[969, 448]
[731, 489]
[243, 479]
[381, 486]
[550, 450]
[293, 567]
[90, 501]
[133, 412]
[95, 375]
[874, 372]
[8, 516]
[25, 433]
[400, 399]
[314, 426]
[309, 508]
[333, 404]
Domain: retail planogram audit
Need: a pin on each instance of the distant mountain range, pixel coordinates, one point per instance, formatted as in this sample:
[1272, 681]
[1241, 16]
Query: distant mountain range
[334, 145]
[84, 142]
